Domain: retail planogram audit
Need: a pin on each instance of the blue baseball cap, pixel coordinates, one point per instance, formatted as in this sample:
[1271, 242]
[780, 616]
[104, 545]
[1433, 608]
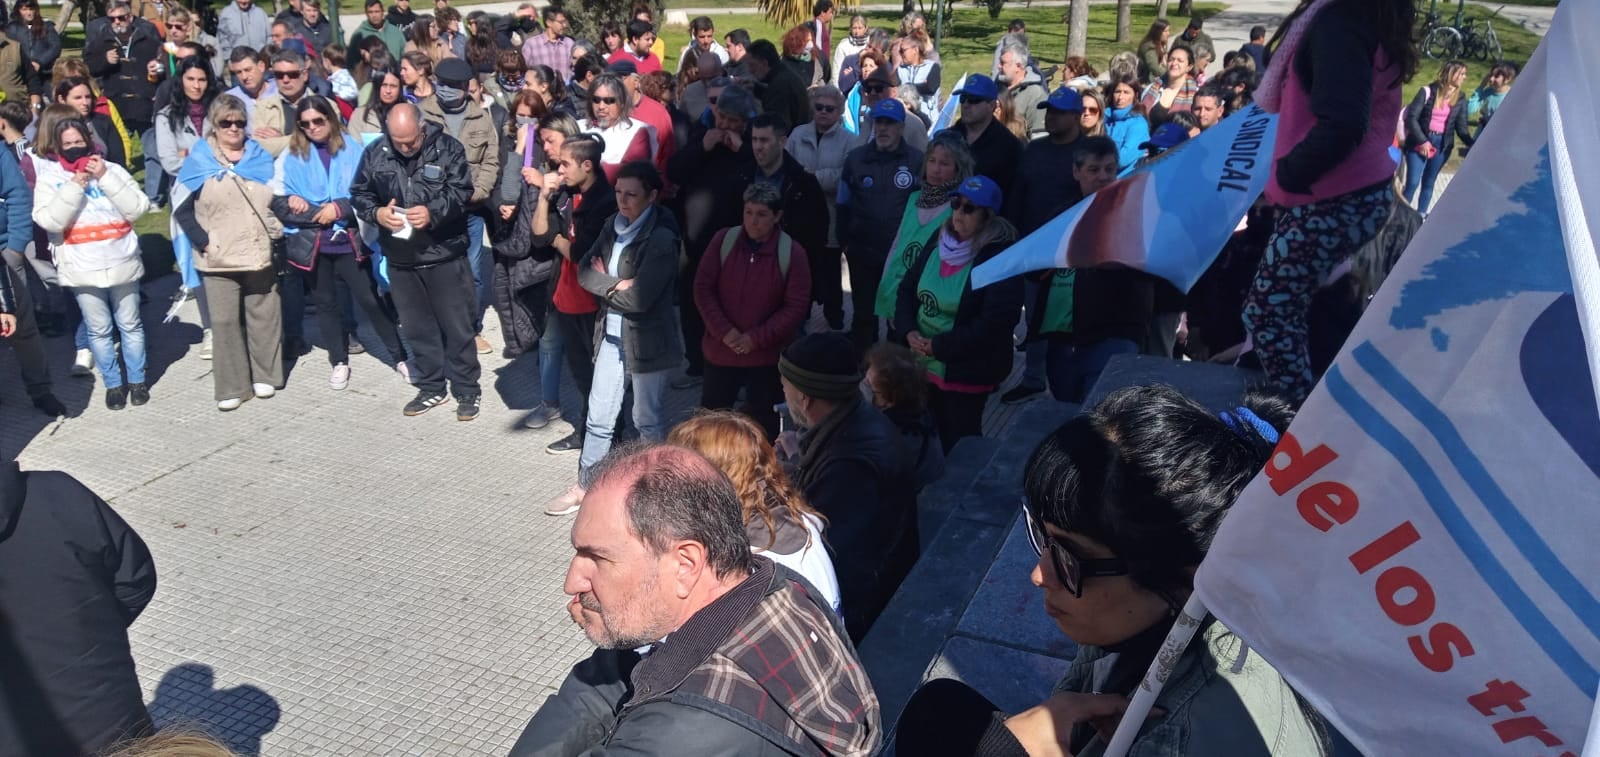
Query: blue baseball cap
[982, 191]
[1064, 98]
[1167, 136]
[981, 87]
[891, 109]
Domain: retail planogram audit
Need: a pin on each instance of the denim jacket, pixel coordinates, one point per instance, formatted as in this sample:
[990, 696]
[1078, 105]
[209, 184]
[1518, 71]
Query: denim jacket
[1211, 709]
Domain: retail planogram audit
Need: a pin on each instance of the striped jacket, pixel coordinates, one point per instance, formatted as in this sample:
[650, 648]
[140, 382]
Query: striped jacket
[765, 670]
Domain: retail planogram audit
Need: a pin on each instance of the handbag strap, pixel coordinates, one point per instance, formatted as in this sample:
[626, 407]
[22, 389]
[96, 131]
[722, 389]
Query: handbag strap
[250, 205]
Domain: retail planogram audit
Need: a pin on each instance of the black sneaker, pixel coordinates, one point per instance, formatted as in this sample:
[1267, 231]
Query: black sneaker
[467, 408]
[138, 394]
[354, 346]
[117, 398]
[572, 442]
[49, 405]
[1020, 393]
[424, 402]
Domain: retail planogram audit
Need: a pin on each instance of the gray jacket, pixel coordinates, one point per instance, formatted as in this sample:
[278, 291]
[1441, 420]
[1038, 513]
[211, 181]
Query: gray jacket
[1025, 99]
[252, 28]
[650, 338]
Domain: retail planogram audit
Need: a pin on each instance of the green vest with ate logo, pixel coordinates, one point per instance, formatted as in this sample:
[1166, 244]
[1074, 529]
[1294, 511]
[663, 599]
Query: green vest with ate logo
[938, 299]
[914, 237]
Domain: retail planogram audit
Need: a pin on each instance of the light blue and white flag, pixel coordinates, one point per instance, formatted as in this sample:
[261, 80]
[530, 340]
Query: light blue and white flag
[1419, 557]
[852, 110]
[1170, 218]
[947, 114]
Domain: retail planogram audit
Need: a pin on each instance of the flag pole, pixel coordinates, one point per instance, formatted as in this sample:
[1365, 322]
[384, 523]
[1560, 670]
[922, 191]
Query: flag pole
[1189, 619]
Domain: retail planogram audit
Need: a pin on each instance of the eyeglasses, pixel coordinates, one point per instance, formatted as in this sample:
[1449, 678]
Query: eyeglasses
[973, 100]
[115, 18]
[179, 27]
[609, 100]
[872, 89]
[824, 108]
[962, 206]
[1070, 571]
[314, 123]
[232, 123]
[287, 75]
[1091, 111]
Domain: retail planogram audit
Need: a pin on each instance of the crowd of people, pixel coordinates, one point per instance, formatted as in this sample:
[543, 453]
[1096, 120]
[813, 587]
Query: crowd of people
[649, 231]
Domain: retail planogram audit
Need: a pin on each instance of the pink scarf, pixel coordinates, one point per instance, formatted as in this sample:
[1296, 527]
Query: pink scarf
[1269, 94]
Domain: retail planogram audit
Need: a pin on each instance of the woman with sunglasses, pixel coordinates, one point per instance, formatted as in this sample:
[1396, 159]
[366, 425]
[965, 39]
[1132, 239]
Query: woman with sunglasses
[947, 162]
[180, 123]
[228, 217]
[1121, 504]
[87, 206]
[1094, 108]
[962, 334]
[39, 40]
[311, 198]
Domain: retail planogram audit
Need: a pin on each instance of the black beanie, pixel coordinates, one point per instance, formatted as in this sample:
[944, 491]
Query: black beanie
[823, 366]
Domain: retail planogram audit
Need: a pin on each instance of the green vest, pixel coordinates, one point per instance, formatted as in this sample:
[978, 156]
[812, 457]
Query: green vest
[914, 236]
[1058, 303]
[938, 299]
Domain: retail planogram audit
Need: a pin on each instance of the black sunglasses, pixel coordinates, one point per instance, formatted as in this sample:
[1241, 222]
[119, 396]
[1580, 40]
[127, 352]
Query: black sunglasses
[1070, 571]
[314, 123]
[232, 123]
[289, 75]
[962, 206]
[973, 100]
[824, 108]
[608, 100]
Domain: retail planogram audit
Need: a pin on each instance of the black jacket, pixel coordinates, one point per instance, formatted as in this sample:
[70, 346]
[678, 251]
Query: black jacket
[73, 577]
[997, 154]
[436, 177]
[1113, 302]
[851, 469]
[977, 350]
[520, 268]
[783, 92]
[875, 186]
[805, 207]
[711, 186]
[300, 245]
[126, 84]
[650, 336]
[43, 50]
[1419, 113]
[8, 296]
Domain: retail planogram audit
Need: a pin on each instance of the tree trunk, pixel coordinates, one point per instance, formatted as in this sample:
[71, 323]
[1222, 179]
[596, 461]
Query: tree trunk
[1124, 20]
[1078, 28]
[1161, 8]
[907, 6]
[1186, 7]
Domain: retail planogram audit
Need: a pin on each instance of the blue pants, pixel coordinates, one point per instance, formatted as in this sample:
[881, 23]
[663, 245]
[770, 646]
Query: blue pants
[481, 258]
[1074, 369]
[1424, 172]
[552, 345]
[611, 382]
[155, 178]
[104, 309]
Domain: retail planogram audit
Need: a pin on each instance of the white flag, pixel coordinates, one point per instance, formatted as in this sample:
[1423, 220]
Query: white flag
[1419, 558]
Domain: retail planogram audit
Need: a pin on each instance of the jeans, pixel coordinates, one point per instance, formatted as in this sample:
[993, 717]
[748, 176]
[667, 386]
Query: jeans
[103, 308]
[481, 257]
[155, 179]
[435, 307]
[689, 321]
[611, 381]
[1424, 172]
[1074, 369]
[552, 344]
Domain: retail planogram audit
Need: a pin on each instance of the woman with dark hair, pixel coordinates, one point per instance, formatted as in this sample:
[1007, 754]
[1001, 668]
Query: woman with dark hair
[1174, 90]
[1486, 99]
[39, 40]
[1331, 170]
[962, 334]
[510, 76]
[519, 270]
[1094, 113]
[180, 123]
[311, 197]
[368, 60]
[1152, 50]
[423, 37]
[1121, 505]
[416, 73]
[1125, 121]
[543, 79]
[388, 91]
[1436, 117]
[777, 519]
[797, 56]
[483, 51]
[611, 39]
[87, 206]
[79, 94]
[895, 377]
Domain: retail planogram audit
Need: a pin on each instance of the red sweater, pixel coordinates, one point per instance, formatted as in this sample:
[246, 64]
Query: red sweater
[750, 294]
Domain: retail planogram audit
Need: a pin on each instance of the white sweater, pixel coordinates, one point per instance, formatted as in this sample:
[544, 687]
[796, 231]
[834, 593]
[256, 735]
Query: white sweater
[91, 231]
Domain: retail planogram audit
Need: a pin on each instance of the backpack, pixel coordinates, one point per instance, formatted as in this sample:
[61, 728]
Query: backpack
[785, 249]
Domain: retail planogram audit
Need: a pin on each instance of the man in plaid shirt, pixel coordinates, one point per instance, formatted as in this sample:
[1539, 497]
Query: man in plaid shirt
[552, 47]
[704, 648]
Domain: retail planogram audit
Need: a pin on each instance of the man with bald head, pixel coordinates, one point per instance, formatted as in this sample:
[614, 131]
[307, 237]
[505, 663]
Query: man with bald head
[703, 647]
[693, 99]
[413, 186]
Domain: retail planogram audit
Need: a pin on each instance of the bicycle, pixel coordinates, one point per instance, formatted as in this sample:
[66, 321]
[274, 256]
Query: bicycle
[1466, 38]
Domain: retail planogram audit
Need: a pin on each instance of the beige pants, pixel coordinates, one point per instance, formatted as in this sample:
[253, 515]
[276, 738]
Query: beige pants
[246, 331]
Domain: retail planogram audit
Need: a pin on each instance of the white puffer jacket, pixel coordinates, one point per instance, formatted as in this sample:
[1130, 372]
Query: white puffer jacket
[90, 230]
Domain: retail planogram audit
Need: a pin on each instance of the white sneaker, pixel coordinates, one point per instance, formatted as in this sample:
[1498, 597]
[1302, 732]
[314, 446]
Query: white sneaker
[205, 345]
[230, 404]
[566, 504]
[83, 364]
[340, 377]
[263, 391]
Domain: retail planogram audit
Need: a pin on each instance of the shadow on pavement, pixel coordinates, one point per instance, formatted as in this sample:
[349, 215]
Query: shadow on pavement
[187, 696]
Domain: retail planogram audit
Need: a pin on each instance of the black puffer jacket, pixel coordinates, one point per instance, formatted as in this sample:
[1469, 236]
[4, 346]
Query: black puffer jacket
[73, 577]
[437, 177]
[521, 268]
[125, 83]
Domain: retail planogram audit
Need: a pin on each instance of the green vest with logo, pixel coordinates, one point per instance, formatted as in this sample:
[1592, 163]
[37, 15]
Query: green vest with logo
[914, 237]
[1058, 302]
[938, 299]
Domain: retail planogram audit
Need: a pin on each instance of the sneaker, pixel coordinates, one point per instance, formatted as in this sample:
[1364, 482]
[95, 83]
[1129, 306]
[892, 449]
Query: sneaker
[354, 346]
[205, 345]
[483, 345]
[83, 364]
[1020, 393]
[566, 504]
[232, 403]
[572, 442]
[541, 416]
[138, 394]
[263, 391]
[49, 405]
[424, 402]
[687, 381]
[117, 397]
[467, 408]
[404, 370]
[340, 378]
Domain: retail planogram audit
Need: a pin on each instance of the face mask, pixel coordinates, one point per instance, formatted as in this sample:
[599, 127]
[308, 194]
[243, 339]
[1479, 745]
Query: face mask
[529, 25]
[526, 120]
[75, 154]
[450, 98]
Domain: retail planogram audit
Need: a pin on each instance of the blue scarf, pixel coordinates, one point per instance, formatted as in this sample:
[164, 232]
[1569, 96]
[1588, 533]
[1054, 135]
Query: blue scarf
[202, 165]
[1118, 114]
[307, 178]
